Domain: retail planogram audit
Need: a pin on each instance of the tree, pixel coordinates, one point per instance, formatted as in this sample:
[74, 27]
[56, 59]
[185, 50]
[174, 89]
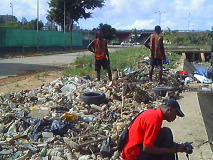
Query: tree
[108, 32]
[33, 25]
[210, 34]
[179, 40]
[135, 33]
[11, 23]
[74, 10]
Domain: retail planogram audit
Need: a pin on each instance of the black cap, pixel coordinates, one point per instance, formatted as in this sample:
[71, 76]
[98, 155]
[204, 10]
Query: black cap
[175, 104]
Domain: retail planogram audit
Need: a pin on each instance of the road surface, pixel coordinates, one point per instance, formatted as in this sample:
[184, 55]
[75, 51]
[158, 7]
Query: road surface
[18, 66]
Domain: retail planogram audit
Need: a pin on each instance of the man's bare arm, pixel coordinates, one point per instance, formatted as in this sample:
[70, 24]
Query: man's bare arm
[107, 52]
[146, 43]
[157, 150]
[162, 47]
[90, 47]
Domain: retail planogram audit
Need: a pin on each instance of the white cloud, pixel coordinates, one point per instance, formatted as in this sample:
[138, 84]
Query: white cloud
[146, 3]
[168, 24]
[120, 6]
[196, 4]
[139, 24]
[117, 25]
[25, 8]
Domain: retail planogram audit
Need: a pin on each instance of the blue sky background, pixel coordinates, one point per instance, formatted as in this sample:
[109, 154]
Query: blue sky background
[128, 14]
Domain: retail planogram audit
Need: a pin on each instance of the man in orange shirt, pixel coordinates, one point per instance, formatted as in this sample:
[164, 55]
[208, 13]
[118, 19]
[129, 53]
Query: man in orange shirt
[99, 47]
[147, 140]
[155, 44]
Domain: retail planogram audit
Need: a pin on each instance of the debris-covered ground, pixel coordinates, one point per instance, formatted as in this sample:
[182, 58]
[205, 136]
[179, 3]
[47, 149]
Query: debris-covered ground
[53, 122]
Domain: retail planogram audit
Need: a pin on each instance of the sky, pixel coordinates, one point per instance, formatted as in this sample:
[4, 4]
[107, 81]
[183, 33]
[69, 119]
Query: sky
[129, 14]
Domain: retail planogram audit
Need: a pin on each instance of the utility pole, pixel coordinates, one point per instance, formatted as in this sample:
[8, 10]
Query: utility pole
[160, 13]
[11, 5]
[188, 21]
[37, 25]
[64, 26]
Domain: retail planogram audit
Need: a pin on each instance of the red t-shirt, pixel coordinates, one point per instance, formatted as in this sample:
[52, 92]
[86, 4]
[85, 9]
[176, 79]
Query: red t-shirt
[144, 131]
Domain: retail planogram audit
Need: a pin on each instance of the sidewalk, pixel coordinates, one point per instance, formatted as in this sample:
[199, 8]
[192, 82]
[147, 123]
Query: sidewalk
[191, 128]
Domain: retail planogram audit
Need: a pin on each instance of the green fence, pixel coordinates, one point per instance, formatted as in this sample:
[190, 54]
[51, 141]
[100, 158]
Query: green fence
[28, 38]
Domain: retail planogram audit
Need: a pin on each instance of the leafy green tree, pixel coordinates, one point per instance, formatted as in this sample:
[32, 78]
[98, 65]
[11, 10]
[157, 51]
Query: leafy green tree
[135, 33]
[74, 10]
[33, 25]
[210, 34]
[11, 23]
[179, 40]
[108, 31]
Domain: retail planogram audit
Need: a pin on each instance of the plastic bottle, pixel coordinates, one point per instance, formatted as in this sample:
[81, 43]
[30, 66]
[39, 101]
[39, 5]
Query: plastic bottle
[43, 152]
[90, 119]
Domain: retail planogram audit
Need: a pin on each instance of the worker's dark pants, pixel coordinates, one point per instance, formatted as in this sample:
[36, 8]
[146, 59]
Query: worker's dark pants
[164, 140]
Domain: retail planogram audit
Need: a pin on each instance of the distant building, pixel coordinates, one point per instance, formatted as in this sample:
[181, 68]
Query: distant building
[24, 20]
[76, 27]
[5, 18]
[49, 26]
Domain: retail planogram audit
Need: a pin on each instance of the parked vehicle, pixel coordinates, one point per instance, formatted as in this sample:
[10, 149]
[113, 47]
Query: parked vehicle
[127, 44]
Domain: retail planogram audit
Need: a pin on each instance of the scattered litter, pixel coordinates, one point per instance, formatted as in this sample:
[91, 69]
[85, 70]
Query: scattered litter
[76, 117]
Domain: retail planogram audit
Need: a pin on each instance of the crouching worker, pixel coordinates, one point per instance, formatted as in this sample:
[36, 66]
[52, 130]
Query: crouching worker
[147, 140]
[99, 47]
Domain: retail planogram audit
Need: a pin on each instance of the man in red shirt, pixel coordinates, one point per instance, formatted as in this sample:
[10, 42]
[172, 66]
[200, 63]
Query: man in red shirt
[147, 140]
[99, 47]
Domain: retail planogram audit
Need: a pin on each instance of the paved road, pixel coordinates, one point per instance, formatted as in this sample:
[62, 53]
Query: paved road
[18, 66]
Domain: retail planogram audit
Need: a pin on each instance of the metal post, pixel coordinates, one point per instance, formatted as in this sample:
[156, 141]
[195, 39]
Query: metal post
[188, 21]
[160, 12]
[88, 36]
[37, 25]
[64, 26]
[11, 5]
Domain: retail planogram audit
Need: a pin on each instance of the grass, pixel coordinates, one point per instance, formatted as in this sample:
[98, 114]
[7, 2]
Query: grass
[42, 75]
[173, 59]
[187, 47]
[121, 60]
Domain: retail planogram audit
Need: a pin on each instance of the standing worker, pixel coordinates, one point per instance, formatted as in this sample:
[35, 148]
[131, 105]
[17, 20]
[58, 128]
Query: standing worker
[155, 44]
[99, 47]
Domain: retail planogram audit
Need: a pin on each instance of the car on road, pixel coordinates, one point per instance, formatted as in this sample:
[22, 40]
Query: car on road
[127, 44]
[137, 43]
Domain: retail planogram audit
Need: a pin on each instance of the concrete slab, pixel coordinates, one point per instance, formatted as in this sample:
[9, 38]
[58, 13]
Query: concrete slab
[191, 128]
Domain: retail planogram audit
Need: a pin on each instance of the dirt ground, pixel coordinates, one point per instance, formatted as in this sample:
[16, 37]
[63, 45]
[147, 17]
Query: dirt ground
[28, 81]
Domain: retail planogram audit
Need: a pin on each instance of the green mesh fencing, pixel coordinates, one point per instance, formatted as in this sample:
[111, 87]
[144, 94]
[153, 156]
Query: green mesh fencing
[20, 37]
[2, 37]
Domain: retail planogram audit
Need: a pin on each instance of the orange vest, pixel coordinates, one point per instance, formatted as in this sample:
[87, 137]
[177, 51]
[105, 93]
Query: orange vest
[156, 50]
[100, 52]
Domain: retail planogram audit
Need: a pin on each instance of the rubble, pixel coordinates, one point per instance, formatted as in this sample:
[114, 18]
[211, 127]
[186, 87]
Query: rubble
[52, 122]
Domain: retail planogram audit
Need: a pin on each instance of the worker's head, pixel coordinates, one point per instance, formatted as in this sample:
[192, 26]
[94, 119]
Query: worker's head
[171, 109]
[158, 29]
[99, 34]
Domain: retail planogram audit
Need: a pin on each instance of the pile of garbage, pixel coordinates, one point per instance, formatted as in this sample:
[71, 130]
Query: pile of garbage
[58, 121]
